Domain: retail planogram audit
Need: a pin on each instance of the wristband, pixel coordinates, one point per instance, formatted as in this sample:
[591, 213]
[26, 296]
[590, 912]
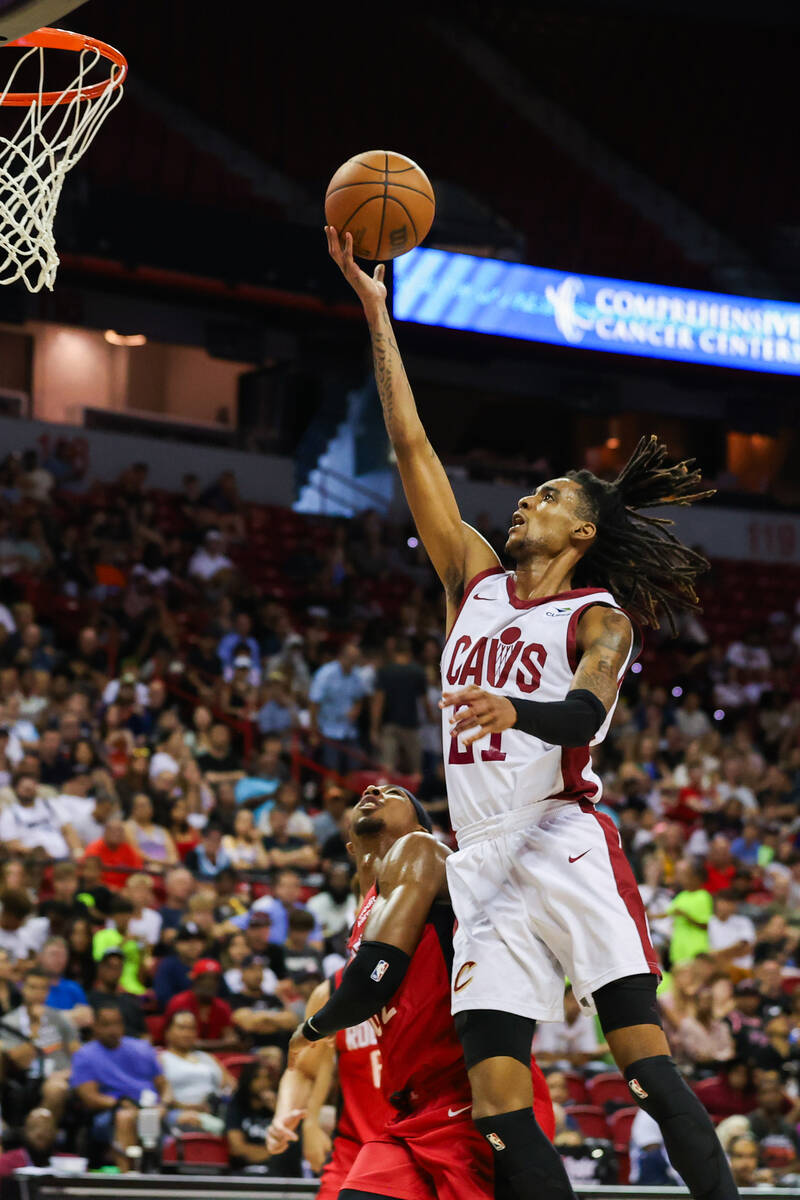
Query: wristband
[309, 1032]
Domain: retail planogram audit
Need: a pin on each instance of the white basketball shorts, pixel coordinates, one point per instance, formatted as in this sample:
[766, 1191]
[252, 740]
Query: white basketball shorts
[541, 893]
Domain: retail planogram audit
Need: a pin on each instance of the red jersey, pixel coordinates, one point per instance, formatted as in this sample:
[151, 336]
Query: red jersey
[217, 1020]
[365, 1111]
[415, 1031]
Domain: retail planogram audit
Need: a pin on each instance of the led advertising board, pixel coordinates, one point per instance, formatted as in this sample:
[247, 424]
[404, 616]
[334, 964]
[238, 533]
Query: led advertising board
[485, 295]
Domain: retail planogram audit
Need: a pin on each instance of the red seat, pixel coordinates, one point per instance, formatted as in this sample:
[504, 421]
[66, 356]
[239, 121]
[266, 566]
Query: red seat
[233, 1063]
[701, 1089]
[590, 1119]
[609, 1088]
[619, 1124]
[576, 1085]
[195, 1153]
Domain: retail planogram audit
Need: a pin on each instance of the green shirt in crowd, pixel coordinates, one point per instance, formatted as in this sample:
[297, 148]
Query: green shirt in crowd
[687, 940]
[131, 955]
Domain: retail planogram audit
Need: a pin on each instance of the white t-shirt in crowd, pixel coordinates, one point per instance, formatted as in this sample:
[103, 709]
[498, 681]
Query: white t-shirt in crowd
[233, 980]
[26, 940]
[147, 927]
[37, 824]
[558, 1037]
[737, 928]
[193, 1078]
[205, 565]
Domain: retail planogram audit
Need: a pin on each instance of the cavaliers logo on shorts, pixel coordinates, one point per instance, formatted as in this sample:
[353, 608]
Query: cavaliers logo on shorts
[637, 1089]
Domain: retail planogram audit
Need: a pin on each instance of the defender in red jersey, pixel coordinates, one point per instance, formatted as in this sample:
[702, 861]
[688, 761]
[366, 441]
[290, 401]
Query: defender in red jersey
[399, 979]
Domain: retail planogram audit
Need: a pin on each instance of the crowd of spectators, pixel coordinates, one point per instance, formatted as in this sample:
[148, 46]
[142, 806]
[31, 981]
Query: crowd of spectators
[192, 692]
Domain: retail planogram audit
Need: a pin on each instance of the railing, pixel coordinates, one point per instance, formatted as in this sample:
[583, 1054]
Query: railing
[214, 1187]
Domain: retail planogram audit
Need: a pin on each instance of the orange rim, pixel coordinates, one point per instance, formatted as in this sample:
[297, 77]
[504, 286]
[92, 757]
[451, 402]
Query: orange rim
[62, 39]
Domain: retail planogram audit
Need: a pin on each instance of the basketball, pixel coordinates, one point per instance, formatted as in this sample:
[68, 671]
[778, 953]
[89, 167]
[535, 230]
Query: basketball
[384, 200]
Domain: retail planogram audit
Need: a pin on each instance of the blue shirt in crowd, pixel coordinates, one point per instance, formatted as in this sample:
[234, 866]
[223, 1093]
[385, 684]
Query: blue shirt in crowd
[336, 691]
[171, 977]
[124, 1071]
[279, 928]
[65, 994]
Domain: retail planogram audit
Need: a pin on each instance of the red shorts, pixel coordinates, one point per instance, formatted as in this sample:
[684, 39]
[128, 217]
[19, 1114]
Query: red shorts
[427, 1154]
[345, 1153]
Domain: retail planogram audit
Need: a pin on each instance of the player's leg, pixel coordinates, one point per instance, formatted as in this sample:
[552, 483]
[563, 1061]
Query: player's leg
[604, 946]
[497, 1051]
[628, 1013]
[500, 964]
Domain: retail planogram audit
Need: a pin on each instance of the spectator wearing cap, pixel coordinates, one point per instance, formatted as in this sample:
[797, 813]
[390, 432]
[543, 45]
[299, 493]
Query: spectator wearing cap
[109, 1075]
[335, 700]
[302, 959]
[745, 1021]
[259, 1014]
[31, 822]
[214, 1016]
[108, 986]
[286, 896]
[210, 563]
[173, 973]
[117, 934]
[209, 857]
[118, 856]
[731, 935]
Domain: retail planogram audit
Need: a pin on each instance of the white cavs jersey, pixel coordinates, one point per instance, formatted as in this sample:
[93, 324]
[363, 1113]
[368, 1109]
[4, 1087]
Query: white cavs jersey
[524, 649]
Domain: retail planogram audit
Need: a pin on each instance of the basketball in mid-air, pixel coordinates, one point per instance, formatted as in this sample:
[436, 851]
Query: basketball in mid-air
[384, 200]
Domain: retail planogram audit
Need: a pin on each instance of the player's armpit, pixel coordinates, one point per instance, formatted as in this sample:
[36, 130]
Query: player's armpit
[412, 877]
[605, 636]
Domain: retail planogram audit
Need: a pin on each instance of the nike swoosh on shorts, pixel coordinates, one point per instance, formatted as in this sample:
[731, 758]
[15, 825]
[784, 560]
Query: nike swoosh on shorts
[577, 856]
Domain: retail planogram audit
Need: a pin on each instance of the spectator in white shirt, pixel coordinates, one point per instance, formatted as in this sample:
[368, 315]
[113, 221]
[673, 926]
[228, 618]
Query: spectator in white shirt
[88, 816]
[335, 906]
[572, 1041]
[145, 923]
[32, 822]
[210, 560]
[731, 936]
[690, 718]
[21, 934]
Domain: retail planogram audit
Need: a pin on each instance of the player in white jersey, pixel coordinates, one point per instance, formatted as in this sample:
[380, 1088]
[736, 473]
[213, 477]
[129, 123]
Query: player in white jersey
[531, 670]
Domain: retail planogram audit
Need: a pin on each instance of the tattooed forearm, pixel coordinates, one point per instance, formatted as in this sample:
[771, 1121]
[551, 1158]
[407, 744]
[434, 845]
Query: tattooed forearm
[606, 651]
[397, 400]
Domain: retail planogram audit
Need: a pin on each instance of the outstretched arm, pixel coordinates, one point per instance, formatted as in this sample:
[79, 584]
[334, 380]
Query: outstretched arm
[605, 638]
[412, 876]
[456, 550]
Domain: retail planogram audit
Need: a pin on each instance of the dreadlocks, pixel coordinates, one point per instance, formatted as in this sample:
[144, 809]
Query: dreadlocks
[635, 556]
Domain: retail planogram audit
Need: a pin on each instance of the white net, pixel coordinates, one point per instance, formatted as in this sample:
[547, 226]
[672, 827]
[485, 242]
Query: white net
[45, 144]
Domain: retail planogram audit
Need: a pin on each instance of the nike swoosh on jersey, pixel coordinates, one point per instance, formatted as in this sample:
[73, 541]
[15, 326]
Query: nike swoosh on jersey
[456, 1112]
[483, 597]
[577, 856]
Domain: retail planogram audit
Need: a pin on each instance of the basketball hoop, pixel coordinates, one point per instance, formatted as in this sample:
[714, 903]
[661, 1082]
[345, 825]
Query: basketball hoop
[54, 131]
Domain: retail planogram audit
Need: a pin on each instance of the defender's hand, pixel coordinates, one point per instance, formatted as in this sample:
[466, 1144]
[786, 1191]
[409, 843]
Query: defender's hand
[370, 290]
[479, 712]
[282, 1130]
